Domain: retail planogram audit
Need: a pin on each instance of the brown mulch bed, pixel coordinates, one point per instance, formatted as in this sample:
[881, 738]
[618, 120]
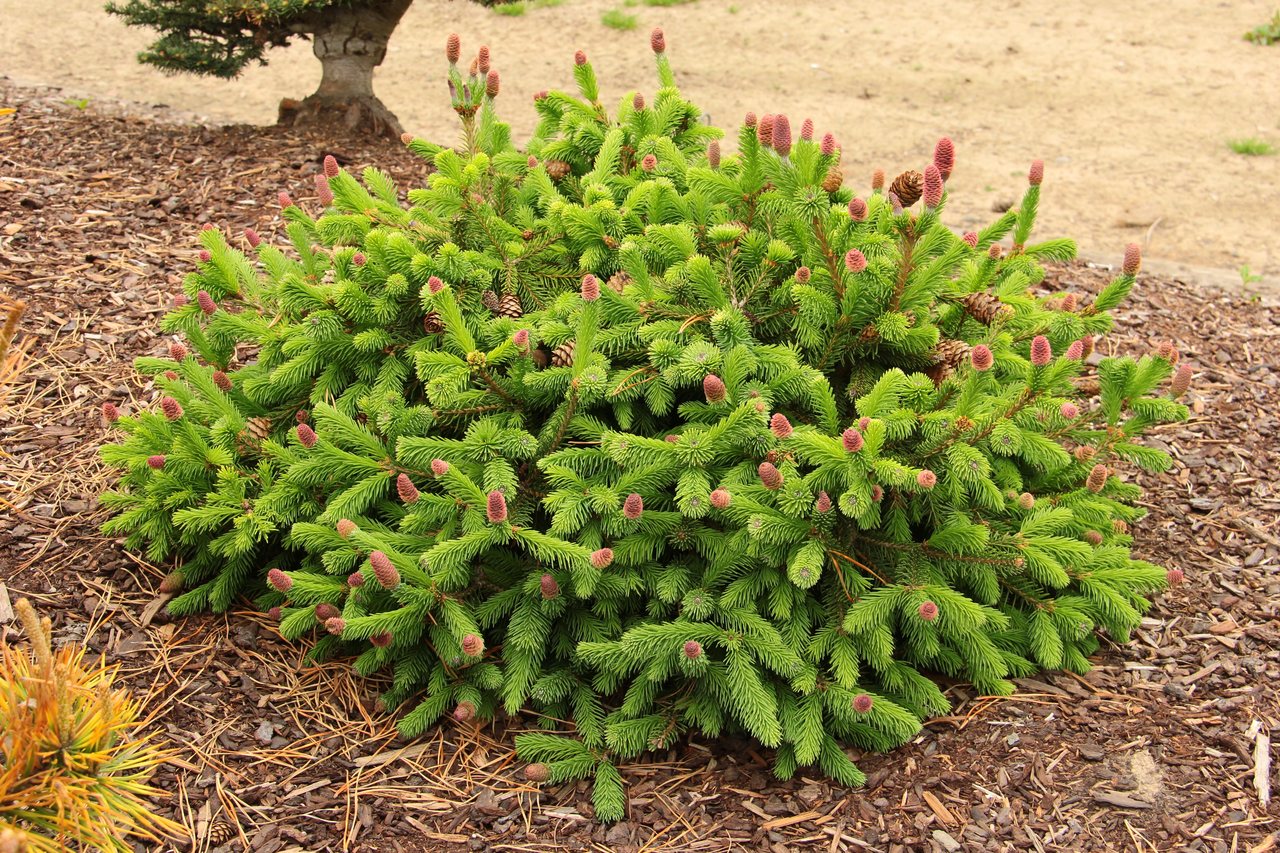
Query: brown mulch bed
[1153, 750]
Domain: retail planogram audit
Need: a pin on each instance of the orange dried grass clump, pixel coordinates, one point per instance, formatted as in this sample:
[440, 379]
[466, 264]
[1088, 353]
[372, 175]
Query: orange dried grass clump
[73, 769]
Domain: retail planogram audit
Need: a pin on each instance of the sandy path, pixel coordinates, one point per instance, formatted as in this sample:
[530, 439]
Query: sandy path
[1130, 104]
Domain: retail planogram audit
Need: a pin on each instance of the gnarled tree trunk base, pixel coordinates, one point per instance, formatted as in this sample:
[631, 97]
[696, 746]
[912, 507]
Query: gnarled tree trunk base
[359, 114]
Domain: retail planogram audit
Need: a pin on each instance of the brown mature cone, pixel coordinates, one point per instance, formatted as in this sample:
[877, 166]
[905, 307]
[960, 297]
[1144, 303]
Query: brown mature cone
[490, 300]
[256, 431]
[432, 324]
[947, 355]
[984, 307]
[619, 280]
[509, 306]
[833, 181]
[562, 356]
[558, 169]
[908, 187]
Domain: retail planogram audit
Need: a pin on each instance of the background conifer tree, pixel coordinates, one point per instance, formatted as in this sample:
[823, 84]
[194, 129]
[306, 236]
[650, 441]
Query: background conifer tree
[635, 434]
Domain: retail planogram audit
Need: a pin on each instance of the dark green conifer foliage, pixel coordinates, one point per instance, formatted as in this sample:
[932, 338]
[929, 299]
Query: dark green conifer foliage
[627, 433]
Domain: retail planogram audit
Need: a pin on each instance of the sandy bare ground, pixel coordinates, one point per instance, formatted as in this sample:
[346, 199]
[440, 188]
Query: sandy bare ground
[1130, 104]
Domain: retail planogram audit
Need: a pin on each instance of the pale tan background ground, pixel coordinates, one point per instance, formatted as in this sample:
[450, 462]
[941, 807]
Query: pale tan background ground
[1131, 104]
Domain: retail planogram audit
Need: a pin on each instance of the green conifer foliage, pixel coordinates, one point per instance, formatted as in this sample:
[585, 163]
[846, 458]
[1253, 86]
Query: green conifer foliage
[629, 433]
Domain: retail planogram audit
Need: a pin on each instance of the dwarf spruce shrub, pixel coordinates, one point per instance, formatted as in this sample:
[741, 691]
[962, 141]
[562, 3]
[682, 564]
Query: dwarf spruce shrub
[625, 430]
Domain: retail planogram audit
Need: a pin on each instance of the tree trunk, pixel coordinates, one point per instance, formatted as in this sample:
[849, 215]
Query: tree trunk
[350, 43]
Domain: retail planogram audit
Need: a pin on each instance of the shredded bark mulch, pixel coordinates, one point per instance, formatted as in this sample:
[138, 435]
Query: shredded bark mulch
[1164, 746]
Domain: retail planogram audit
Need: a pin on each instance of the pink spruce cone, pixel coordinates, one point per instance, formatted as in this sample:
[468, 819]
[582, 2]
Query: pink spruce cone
[1036, 176]
[637, 102]
[273, 614]
[649, 163]
[177, 351]
[1093, 537]
[981, 358]
[770, 476]
[1041, 352]
[862, 703]
[1075, 352]
[331, 166]
[355, 580]
[439, 467]
[406, 138]
[926, 479]
[994, 251]
[1070, 411]
[180, 300]
[803, 274]
[749, 120]
[721, 498]
[895, 203]
[855, 261]
[713, 388]
[928, 611]
[386, 573]
[1181, 381]
[323, 191]
[283, 198]
[633, 506]
[453, 48]
[602, 558]
[155, 462]
[521, 339]
[405, 488]
[877, 179]
[713, 154]
[658, 41]
[326, 611]
[579, 58]
[206, 303]
[1097, 478]
[482, 59]
[1026, 500]
[971, 239]
[877, 493]
[782, 134]
[110, 412]
[863, 423]
[359, 259]
[306, 436]
[171, 408]
[1069, 302]
[944, 157]
[1119, 526]
[532, 162]
[932, 186]
[852, 440]
[857, 209]
[345, 527]
[1132, 259]
[1174, 577]
[279, 580]
[170, 375]
[434, 284]
[550, 589]
[590, 288]
[540, 95]
[464, 712]
[382, 640]
[1167, 351]
[764, 130]
[692, 649]
[829, 146]
[780, 426]
[806, 130]
[473, 645]
[823, 504]
[496, 508]
[206, 255]
[1088, 341]
[492, 84]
